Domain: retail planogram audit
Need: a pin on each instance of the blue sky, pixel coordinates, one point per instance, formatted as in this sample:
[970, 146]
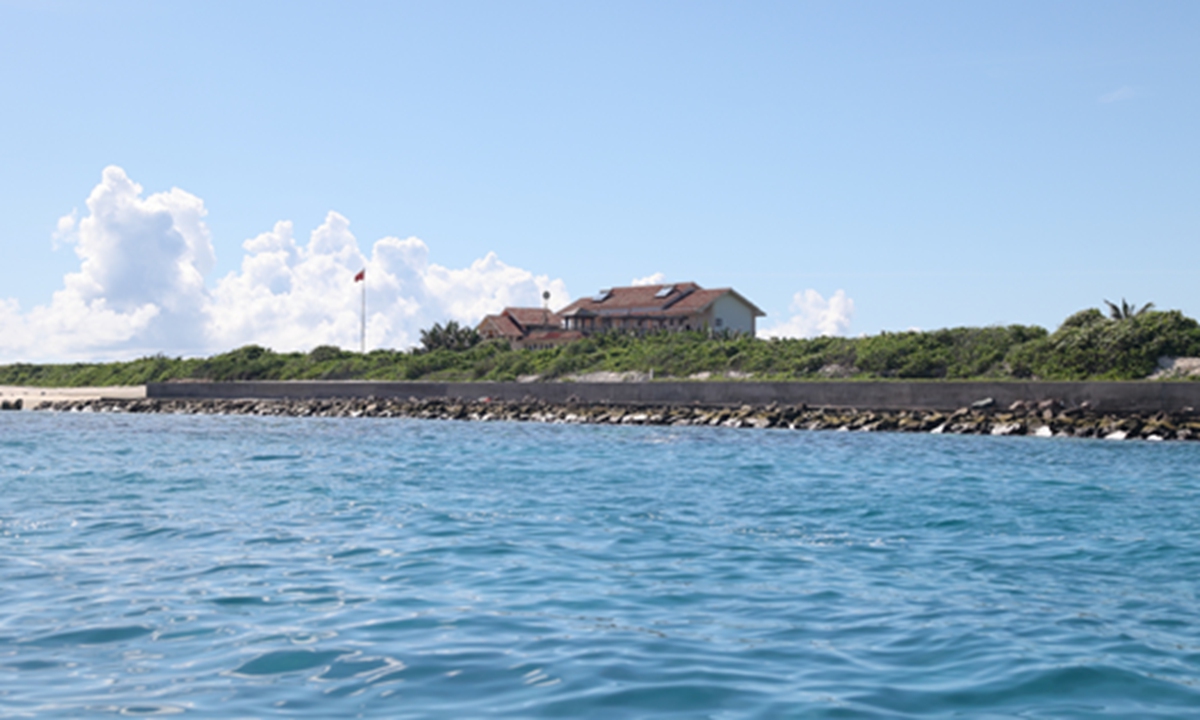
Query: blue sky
[940, 164]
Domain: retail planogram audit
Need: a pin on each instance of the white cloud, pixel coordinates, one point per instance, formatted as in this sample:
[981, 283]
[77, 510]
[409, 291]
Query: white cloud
[288, 296]
[655, 279]
[813, 315]
[141, 286]
[1122, 93]
[64, 230]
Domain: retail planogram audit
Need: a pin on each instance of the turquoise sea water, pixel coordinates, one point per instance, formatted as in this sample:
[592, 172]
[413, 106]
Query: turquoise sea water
[255, 567]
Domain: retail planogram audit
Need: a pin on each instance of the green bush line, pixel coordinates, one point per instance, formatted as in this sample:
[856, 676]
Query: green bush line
[1088, 346]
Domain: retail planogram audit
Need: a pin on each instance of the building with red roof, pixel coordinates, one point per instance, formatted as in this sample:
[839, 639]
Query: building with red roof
[649, 308]
[640, 309]
[531, 328]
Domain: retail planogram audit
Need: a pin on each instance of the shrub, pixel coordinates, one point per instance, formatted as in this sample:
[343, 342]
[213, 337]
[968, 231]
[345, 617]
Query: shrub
[1087, 345]
[1090, 345]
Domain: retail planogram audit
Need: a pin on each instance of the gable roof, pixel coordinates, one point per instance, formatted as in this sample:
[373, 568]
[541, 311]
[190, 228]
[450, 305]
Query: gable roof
[653, 300]
[500, 326]
[518, 322]
[528, 317]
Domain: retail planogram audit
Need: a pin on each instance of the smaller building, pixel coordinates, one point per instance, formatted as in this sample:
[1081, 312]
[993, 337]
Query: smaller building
[527, 328]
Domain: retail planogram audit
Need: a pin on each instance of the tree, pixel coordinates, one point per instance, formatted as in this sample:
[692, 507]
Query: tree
[451, 337]
[1126, 311]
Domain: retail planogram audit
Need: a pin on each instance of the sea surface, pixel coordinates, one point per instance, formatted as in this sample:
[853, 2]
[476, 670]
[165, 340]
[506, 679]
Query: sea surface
[381, 568]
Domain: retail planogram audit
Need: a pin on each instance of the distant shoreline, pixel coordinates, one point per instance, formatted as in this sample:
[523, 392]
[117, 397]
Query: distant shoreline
[1113, 410]
[1121, 397]
[1044, 419]
[889, 395]
[30, 396]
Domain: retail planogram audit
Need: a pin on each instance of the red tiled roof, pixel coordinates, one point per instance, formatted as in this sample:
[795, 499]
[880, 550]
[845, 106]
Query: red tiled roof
[685, 299]
[499, 325]
[528, 317]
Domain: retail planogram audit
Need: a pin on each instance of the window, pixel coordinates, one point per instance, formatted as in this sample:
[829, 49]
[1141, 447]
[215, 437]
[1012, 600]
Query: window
[720, 322]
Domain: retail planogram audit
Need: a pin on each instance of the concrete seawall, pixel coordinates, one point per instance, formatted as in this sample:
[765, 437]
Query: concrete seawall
[882, 395]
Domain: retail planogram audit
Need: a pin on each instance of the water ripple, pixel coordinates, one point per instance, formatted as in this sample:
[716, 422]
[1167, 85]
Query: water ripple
[217, 567]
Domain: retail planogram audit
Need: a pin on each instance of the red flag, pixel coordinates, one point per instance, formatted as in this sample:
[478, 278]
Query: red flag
[362, 275]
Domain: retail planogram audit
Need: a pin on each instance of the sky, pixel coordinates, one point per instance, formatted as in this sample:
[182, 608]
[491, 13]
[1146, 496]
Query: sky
[187, 177]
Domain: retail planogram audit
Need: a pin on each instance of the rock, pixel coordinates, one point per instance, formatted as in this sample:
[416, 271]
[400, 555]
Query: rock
[836, 370]
[1067, 423]
[607, 376]
[1008, 429]
[1169, 367]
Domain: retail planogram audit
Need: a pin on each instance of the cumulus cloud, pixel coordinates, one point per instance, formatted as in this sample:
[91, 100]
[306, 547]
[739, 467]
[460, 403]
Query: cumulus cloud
[655, 279]
[292, 296]
[813, 315]
[141, 286]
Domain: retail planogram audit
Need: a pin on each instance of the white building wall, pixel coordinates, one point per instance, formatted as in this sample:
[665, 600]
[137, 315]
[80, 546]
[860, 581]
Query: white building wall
[729, 313]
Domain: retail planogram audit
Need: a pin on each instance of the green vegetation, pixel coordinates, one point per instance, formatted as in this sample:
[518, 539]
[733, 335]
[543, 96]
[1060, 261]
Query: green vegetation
[1088, 345]
[451, 337]
[1124, 311]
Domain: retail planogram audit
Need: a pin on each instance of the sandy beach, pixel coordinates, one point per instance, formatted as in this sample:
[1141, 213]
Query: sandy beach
[31, 397]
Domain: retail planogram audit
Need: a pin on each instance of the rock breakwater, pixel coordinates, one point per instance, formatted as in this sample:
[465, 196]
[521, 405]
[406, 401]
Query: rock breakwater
[1045, 419]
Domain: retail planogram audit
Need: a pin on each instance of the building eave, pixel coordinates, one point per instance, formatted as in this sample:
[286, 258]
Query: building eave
[754, 309]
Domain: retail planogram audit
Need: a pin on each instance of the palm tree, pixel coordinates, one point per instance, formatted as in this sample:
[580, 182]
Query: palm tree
[451, 337]
[1126, 311]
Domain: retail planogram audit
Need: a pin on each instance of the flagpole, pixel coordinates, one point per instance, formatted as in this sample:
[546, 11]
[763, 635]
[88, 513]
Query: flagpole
[363, 316]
